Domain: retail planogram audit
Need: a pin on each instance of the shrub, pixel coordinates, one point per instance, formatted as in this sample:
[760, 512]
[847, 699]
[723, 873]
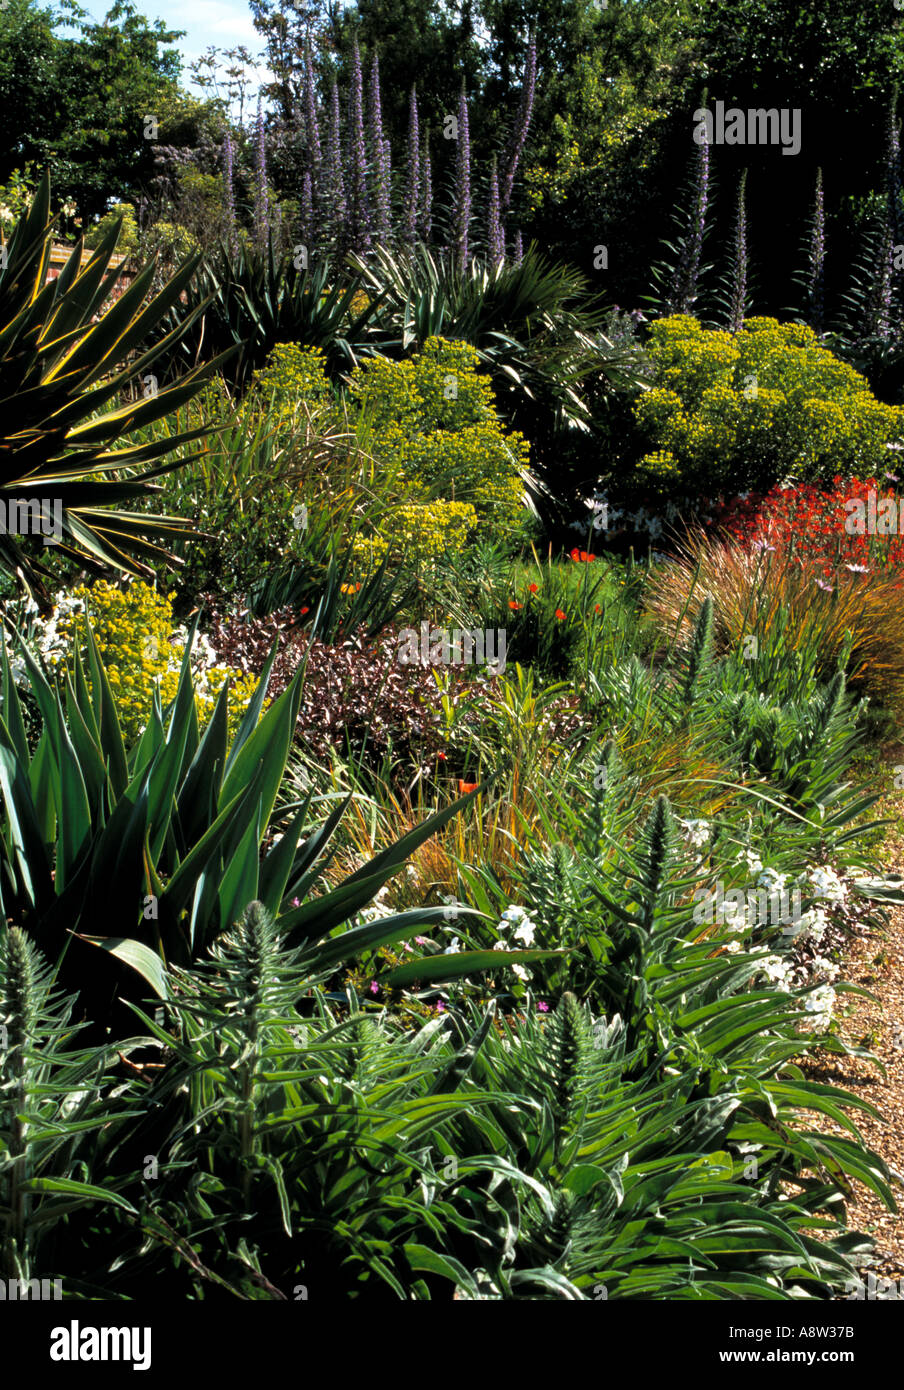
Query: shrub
[142, 649]
[732, 411]
[434, 415]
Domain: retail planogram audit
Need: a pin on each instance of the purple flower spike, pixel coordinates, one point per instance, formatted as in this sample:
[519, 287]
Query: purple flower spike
[412, 177]
[528, 90]
[359, 227]
[312, 124]
[380, 156]
[334, 206]
[229, 192]
[426, 203]
[495, 233]
[462, 182]
[739, 267]
[261, 200]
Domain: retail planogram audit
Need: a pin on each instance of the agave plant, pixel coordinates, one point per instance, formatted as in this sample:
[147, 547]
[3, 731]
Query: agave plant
[64, 366]
[131, 858]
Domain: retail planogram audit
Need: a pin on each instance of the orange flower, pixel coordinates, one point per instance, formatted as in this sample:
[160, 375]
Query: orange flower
[466, 787]
[582, 556]
[349, 588]
[514, 606]
[559, 614]
[303, 611]
[597, 609]
[533, 588]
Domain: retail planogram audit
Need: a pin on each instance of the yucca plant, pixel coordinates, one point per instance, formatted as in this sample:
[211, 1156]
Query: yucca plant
[535, 325]
[65, 363]
[251, 299]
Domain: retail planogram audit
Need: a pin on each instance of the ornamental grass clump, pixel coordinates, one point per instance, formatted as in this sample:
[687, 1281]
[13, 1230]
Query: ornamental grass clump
[773, 608]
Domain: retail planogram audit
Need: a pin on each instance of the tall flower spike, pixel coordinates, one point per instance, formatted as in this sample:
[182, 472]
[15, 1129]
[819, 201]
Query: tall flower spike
[684, 283]
[893, 172]
[495, 234]
[528, 91]
[307, 212]
[261, 200]
[426, 196]
[380, 156]
[335, 209]
[412, 174]
[229, 194]
[462, 182]
[359, 228]
[816, 276]
[518, 251]
[312, 124]
[738, 301]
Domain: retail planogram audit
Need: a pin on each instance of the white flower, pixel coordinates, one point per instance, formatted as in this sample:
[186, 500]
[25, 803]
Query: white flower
[776, 970]
[772, 881]
[754, 862]
[454, 948]
[827, 884]
[820, 1004]
[696, 832]
[523, 974]
[525, 933]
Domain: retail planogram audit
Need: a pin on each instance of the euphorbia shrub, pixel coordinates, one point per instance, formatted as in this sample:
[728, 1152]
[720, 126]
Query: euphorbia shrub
[729, 411]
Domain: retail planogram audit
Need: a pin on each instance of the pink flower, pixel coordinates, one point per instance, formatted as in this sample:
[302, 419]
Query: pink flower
[296, 902]
[821, 584]
[440, 1008]
[374, 987]
[420, 940]
[543, 1007]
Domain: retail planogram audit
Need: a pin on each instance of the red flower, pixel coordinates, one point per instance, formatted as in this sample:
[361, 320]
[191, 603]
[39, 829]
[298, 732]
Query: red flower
[441, 756]
[533, 588]
[514, 606]
[559, 614]
[582, 556]
[303, 611]
[466, 787]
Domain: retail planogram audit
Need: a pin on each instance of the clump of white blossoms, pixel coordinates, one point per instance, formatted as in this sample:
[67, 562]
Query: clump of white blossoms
[826, 884]
[517, 933]
[696, 832]
[820, 1006]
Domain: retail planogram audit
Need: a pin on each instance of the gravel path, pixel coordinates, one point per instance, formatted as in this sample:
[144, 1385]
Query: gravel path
[877, 963]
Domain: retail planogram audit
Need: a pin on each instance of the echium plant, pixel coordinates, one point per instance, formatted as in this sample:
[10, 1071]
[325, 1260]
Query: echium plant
[359, 220]
[334, 180]
[412, 174]
[736, 301]
[261, 200]
[817, 266]
[312, 126]
[495, 233]
[380, 158]
[462, 182]
[685, 282]
[425, 223]
[522, 126]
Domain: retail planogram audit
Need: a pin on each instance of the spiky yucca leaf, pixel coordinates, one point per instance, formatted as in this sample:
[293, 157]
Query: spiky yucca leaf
[66, 360]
